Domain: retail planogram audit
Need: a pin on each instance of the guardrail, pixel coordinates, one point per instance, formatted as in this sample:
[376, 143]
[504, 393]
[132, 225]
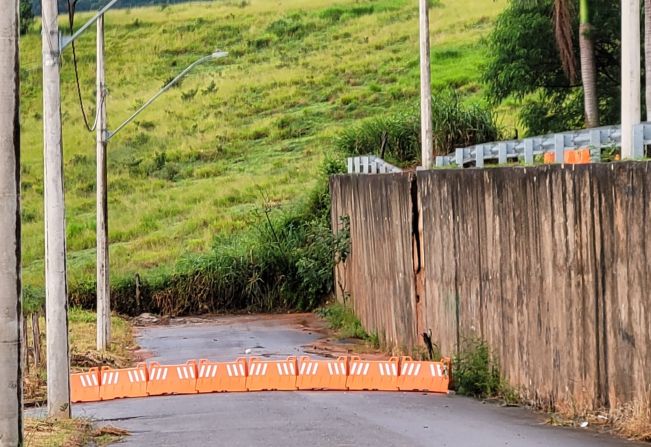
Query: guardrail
[526, 149]
[370, 164]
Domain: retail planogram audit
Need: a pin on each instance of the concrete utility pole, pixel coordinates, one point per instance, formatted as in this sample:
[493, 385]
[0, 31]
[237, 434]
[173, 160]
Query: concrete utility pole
[103, 283]
[56, 286]
[631, 96]
[427, 150]
[11, 377]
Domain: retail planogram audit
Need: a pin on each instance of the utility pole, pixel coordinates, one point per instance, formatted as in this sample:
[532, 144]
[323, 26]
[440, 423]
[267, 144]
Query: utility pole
[427, 149]
[56, 286]
[11, 377]
[103, 283]
[631, 74]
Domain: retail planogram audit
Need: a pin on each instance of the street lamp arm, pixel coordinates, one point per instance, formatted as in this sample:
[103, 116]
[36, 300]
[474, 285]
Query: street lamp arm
[67, 40]
[111, 134]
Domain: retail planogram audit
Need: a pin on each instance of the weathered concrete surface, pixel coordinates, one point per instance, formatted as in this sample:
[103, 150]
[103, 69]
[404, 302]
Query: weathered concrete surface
[300, 419]
[548, 264]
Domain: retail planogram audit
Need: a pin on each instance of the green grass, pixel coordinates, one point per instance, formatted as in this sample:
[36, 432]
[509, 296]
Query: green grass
[346, 324]
[193, 167]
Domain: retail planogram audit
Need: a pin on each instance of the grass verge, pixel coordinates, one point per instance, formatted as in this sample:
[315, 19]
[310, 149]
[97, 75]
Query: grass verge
[68, 433]
[345, 324]
[83, 354]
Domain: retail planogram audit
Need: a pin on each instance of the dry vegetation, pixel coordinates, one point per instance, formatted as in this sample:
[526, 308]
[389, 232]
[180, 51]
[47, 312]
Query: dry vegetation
[68, 433]
[83, 352]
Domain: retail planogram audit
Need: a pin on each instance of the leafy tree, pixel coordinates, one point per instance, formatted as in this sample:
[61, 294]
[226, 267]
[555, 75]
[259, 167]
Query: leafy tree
[26, 16]
[525, 64]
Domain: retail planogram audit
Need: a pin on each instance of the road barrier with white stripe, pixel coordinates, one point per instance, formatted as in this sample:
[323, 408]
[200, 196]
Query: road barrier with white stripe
[253, 374]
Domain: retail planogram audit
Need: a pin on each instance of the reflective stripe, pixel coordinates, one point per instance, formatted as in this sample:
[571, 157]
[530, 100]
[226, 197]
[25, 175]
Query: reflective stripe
[83, 381]
[366, 369]
[95, 380]
[417, 369]
[201, 370]
[395, 369]
[381, 365]
[241, 370]
[330, 368]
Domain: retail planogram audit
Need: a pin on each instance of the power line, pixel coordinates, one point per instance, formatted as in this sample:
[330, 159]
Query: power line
[71, 18]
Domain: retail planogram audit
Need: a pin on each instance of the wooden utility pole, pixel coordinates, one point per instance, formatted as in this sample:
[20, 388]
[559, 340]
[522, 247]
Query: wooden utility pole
[11, 377]
[103, 283]
[427, 149]
[56, 285]
[631, 74]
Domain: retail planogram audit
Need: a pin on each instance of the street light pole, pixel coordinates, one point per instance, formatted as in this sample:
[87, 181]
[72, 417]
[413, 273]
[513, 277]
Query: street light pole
[631, 75]
[427, 145]
[56, 286]
[11, 377]
[103, 285]
[103, 136]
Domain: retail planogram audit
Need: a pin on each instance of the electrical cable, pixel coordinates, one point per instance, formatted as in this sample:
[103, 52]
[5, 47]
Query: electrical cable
[71, 18]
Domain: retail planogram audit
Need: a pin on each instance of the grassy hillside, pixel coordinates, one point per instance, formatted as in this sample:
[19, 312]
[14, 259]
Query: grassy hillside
[195, 165]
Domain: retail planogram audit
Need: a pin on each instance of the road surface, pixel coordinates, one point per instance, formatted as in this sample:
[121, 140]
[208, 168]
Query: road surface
[308, 419]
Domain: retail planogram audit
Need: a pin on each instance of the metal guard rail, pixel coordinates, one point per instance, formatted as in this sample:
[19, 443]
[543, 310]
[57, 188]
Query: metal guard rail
[528, 148]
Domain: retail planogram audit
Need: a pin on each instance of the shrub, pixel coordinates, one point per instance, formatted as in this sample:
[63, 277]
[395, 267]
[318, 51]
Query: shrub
[475, 371]
[285, 261]
[397, 137]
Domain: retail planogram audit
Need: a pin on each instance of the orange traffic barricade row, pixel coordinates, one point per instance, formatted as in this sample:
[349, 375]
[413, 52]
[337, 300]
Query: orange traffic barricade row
[380, 375]
[268, 375]
[119, 383]
[424, 376]
[221, 376]
[172, 379]
[84, 387]
[322, 374]
[571, 156]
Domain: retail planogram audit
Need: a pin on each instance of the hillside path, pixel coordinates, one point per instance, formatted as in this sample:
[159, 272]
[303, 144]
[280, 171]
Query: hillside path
[307, 419]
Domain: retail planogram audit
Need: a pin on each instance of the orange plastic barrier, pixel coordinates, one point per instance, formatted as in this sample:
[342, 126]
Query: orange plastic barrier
[322, 374]
[267, 375]
[572, 156]
[84, 387]
[172, 379]
[221, 376]
[373, 374]
[128, 382]
[424, 376]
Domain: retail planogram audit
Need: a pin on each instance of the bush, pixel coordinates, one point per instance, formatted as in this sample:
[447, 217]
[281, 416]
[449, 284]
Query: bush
[286, 261]
[475, 371]
[396, 138]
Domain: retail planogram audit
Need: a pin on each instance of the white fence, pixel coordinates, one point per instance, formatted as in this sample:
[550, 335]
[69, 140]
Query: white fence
[369, 164]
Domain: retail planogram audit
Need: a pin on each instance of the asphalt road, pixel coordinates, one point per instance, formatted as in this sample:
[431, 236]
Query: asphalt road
[308, 419]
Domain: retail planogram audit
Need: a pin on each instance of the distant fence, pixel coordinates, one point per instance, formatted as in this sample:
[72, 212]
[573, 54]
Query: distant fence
[369, 164]
[549, 265]
[526, 149]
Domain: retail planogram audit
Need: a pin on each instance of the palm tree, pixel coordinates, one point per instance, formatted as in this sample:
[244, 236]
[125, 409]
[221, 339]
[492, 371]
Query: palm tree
[588, 66]
[564, 11]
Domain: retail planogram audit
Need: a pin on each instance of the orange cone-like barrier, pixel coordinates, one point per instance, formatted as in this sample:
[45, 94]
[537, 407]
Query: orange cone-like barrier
[172, 379]
[424, 376]
[221, 376]
[322, 374]
[571, 156]
[118, 383]
[268, 375]
[84, 387]
[370, 375]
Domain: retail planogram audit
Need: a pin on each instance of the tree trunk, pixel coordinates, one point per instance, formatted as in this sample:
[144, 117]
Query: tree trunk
[11, 320]
[588, 67]
[647, 56]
